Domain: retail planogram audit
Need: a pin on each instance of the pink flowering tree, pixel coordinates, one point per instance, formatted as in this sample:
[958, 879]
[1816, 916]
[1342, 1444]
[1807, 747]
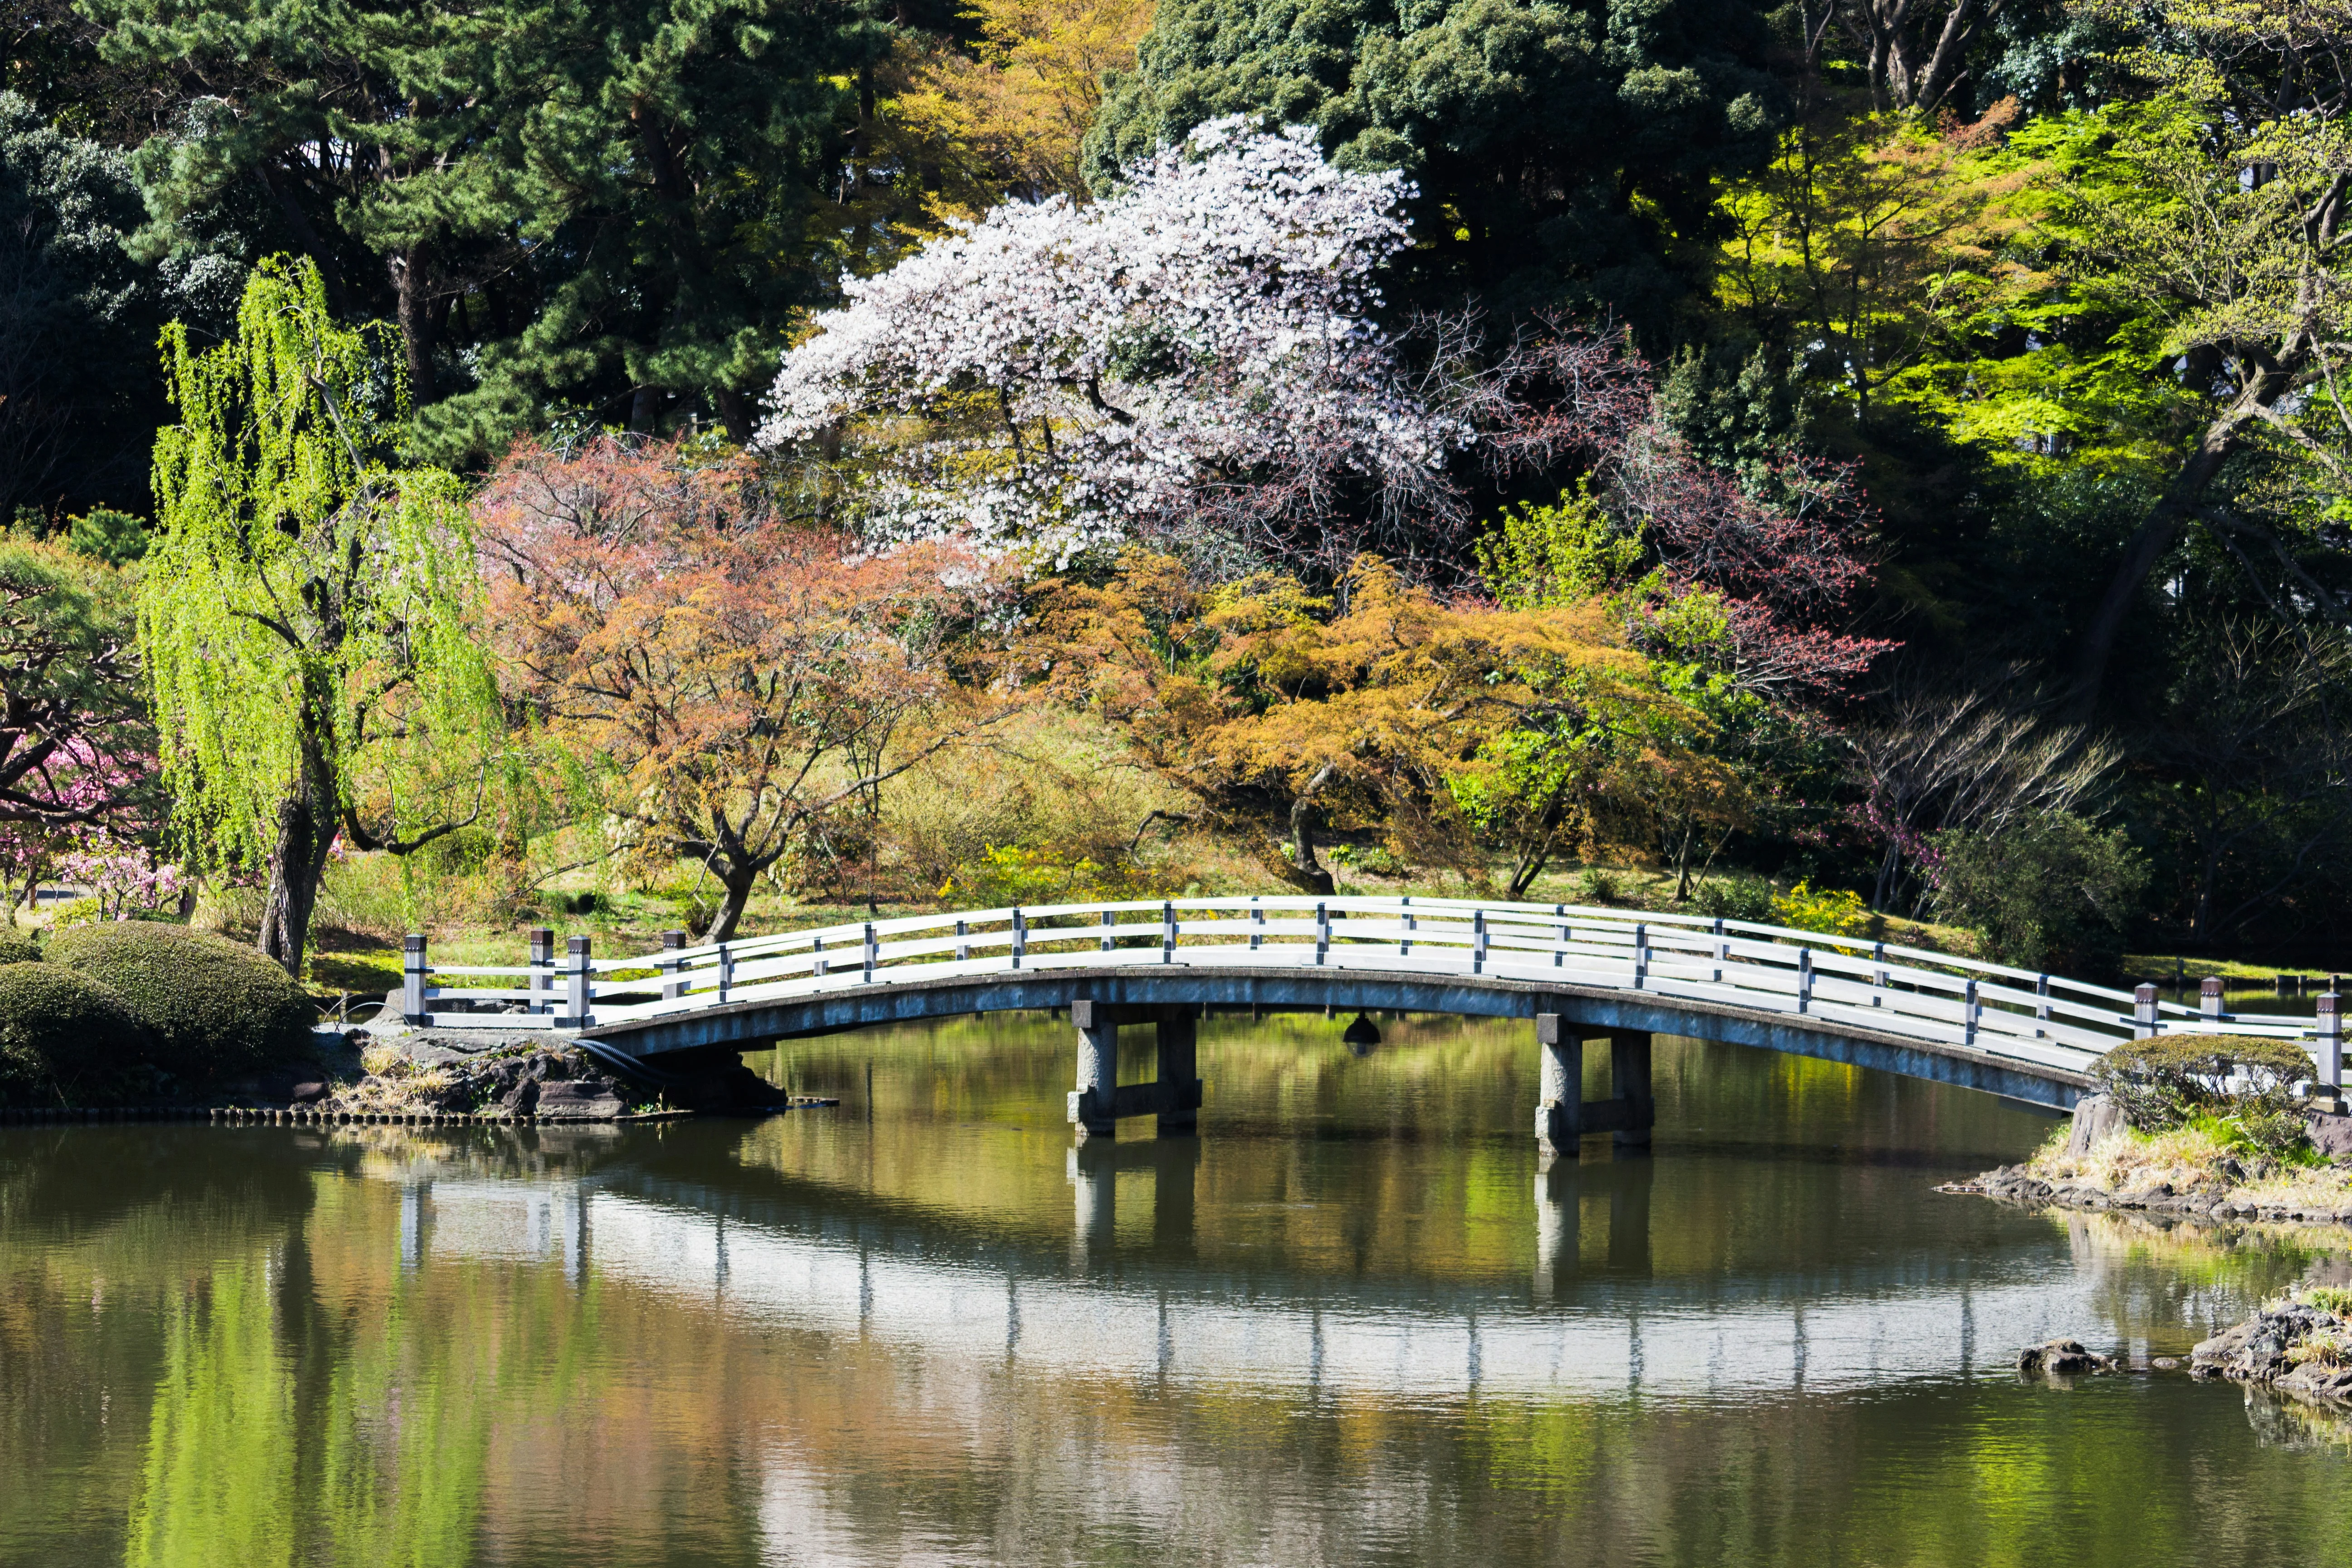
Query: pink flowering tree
[78, 794]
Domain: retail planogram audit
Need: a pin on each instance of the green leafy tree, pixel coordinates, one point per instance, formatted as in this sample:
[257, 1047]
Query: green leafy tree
[611, 206]
[2048, 891]
[1562, 152]
[308, 611]
[77, 318]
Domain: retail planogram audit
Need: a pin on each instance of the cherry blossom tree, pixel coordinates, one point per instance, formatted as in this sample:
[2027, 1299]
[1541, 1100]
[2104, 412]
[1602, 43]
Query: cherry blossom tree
[1196, 349]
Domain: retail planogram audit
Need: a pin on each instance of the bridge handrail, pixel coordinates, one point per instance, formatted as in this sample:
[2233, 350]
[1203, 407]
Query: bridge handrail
[2050, 1019]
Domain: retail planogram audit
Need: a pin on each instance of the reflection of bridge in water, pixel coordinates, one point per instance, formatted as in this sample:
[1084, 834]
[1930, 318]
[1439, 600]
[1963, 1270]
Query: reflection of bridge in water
[775, 1253]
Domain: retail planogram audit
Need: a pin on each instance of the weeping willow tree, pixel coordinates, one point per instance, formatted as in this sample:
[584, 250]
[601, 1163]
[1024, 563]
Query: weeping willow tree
[307, 616]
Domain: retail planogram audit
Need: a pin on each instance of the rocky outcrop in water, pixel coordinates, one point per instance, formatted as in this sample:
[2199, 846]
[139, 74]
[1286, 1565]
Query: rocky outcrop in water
[502, 1076]
[2221, 1197]
[2299, 1348]
[2062, 1358]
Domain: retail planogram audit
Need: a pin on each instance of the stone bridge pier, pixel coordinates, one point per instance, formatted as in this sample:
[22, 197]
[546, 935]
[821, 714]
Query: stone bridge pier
[1562, 1113]
[1101, 1099]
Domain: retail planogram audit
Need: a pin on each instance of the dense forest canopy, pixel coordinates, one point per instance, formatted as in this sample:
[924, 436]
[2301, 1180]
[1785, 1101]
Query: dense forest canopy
[1932, 413]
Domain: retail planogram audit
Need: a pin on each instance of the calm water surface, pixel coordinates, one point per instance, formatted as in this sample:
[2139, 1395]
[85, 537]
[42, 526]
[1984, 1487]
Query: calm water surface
[1352, 1322]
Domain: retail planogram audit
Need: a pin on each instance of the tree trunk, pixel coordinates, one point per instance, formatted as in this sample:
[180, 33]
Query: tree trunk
[735, 412]
[2155, 536]
[412, 283]
[1302, 843]
[306, 833]
[738, 882]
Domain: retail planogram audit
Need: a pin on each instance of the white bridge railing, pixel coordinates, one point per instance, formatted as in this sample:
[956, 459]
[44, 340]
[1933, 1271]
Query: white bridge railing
[2038, 1020]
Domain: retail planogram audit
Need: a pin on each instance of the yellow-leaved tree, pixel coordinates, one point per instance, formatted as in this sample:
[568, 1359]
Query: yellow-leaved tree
[1381, 705]
[1006, 119]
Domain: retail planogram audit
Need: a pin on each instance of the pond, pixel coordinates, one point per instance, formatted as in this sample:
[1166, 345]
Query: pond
[1353, 1322]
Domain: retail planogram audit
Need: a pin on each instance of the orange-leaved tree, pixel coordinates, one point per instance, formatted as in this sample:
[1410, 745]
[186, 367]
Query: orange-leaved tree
[725, 679]
[1383, 704]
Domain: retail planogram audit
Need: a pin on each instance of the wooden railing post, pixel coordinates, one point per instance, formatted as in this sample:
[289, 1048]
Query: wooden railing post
[1020, 936]
[672, 941]
[1477, 942]
[1971, 1009]
[1641, 954]
[1167, 930]
[1878, 977]
[2331, 1044]
[726, 970]
[963, 948]
[2143, 1012]
[2041, 1005]
[1567, 935]
[1108, 921]
[412, 979]
[1257, 924]
[1322, 933]
[1722, 950]
[1804, 980]
[873, 951]
[576, 1015]
[2209, 997]
[542, 970]
[1404, 944]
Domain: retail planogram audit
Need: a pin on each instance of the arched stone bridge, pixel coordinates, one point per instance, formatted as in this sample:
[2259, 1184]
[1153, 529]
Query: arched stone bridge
[1578, 974]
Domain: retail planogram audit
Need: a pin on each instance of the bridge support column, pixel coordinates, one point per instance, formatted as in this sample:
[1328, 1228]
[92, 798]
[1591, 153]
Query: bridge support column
[1093, 1102]
[1629, 1085]
[1179, 1077]
[1562, 1113]
[1560, 1096]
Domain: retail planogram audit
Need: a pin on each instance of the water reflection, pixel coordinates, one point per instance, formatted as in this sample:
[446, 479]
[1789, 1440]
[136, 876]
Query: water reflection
[1354, 1320]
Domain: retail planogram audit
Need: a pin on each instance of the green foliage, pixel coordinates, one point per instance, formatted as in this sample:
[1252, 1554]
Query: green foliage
[1598, 885]
[2046, 891]
[1600, 112]
[1834, 911]
[214, 1007]
[1737, 899]
[309, 613]
[17, 949]
[76, 387]
[1541, 556]
[626, 196]
[2336, 1299]
[65, 1038]
[1009, 874]
[2175, 1081]
[116, 538]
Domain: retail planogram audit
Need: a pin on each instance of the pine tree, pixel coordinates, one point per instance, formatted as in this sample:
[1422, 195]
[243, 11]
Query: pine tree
[607, 205]
[1565, 153]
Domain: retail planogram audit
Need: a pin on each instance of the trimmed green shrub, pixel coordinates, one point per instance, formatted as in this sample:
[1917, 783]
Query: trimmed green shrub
[2164, 1082]
[63, 1037]
[214, 1007]
[18, 949]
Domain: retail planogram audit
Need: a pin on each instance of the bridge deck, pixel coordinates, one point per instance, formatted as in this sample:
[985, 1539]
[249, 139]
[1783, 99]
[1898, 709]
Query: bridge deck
[1926, 1014]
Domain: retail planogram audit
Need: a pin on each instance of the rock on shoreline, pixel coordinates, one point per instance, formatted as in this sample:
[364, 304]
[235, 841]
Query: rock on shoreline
[2298, 1348]
[2217, 1201]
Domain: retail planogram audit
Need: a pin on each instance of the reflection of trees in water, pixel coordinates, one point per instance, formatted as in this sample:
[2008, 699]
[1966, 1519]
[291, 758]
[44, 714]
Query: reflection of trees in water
[2174, 1282]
